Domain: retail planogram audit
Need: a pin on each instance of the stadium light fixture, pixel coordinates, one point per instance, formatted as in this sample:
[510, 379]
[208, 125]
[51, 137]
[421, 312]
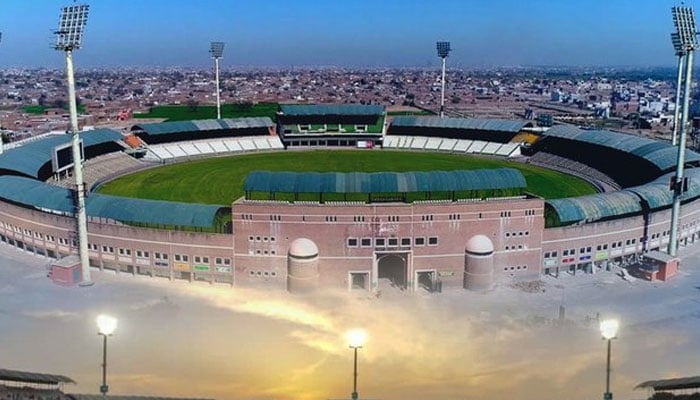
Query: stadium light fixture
[608, 329]
[443, 50]
[217, 50]
[356, 339]
[685, 40]
[105, 327]
[69, 36]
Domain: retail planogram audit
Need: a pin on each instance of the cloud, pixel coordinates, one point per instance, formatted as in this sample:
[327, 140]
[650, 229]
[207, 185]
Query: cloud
[53, 314]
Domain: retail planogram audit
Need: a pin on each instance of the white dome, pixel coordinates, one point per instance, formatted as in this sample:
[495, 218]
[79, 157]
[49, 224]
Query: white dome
[303, 248]
[480, 244]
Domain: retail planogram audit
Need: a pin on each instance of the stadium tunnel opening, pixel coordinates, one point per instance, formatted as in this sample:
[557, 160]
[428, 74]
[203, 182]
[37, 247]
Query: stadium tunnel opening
[392, 267]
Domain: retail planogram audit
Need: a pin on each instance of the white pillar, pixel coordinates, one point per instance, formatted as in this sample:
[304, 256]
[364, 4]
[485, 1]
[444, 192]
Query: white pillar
[78, 172]
[675, 211]
[218, 101]
[676, 111]
[442, 97]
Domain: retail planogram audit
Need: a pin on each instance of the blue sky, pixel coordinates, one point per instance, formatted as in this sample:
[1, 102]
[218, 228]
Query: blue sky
[357, 33]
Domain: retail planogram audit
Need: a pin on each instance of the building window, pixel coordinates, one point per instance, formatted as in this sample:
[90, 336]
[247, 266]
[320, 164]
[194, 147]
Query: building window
[432, 241]
[393, 242]
[379, 242]
[352, 242]
[405, 242]
[419, 241]
[366, 242]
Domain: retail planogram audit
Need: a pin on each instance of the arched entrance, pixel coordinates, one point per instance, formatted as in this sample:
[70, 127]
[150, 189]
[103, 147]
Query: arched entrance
[393, 270]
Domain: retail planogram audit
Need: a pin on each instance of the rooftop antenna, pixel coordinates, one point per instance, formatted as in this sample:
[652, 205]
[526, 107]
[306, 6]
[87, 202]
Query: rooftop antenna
[69, 37]
[686, 33]
[217, 50]
[443, 50]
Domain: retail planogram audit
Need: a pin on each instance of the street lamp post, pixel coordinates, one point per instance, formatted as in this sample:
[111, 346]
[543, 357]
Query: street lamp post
[608, 328]
[356, 338]
[105, 327]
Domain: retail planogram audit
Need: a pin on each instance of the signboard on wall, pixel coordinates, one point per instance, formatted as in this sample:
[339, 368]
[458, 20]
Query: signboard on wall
[62, 156]
[181, 266]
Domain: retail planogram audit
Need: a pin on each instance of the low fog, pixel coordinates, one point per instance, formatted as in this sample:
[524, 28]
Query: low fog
[200, 340]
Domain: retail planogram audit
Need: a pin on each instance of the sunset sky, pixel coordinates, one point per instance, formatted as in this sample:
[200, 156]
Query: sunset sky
[181, 339]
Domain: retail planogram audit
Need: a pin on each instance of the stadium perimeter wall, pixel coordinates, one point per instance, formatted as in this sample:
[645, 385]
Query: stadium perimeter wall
[251, 258]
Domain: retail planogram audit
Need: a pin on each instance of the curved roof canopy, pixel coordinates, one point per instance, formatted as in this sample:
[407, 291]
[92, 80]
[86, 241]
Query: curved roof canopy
[690, 382]
[499, 125]
[33, 193]
[383, 182]
[656, 194]
[595, 206]
[662, 155]
[29, 158]
[331, 109]
[166, 128]
[33, 377]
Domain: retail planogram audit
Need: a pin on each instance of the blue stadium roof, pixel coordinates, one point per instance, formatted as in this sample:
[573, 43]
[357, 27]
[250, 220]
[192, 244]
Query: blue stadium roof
[29, 158]
[656, 194]
[331, 109]
[166, 128]
[662, 155]
[595, 206]
[497, 125]
[37, 194]
[383, 182]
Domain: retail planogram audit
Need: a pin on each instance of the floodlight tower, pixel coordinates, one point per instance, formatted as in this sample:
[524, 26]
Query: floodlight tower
[443, 50]
[216, 51]
[69, 37]
[684, 20]
[680, 53]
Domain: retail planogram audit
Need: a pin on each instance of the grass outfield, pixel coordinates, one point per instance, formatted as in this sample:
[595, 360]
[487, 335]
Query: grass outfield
[188, 113]
[220, 180]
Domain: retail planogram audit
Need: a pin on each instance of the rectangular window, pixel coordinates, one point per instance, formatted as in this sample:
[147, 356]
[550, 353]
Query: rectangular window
[432, 241]
[352, 242]
[379, 242]
[393, 242]
[366, 242]
[405, 242]
[419, 241]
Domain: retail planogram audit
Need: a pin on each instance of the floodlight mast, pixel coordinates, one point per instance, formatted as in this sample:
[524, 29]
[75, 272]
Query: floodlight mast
[69, 37]
[680, 53]
[216, 51]
[684, 21]
[443, 50]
